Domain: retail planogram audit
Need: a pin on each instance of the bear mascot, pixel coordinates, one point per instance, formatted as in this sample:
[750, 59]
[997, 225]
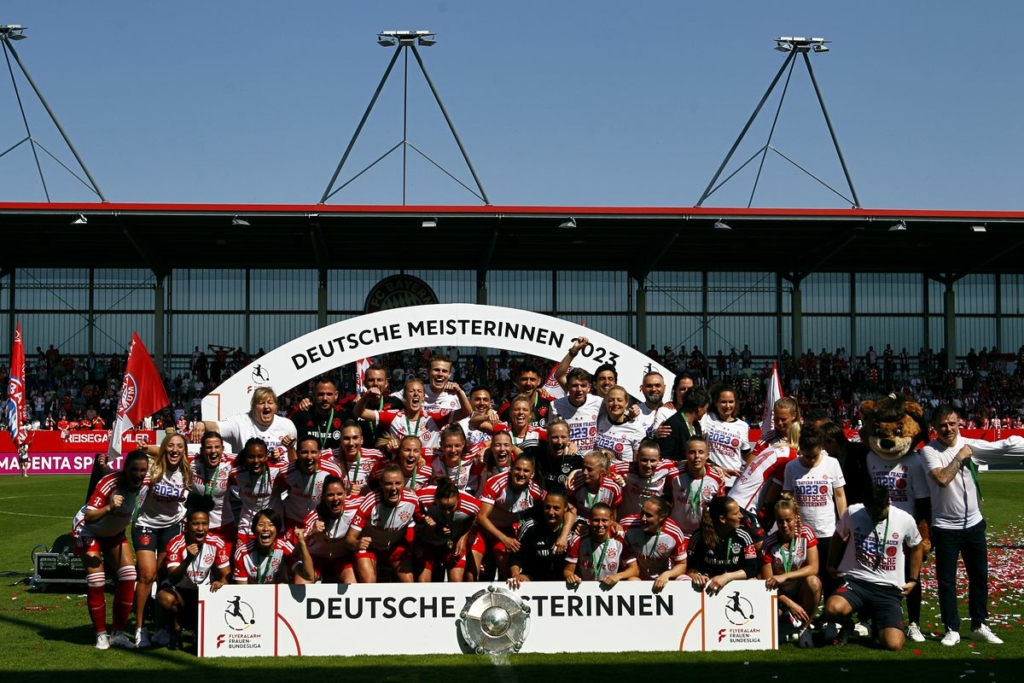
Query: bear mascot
[893, 429]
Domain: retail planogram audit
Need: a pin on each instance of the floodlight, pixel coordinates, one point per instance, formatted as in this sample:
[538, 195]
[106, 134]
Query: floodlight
[722, 225]
[81, 220]
[430, 223]
[568, 224]
[978, 228]
[898, 227]
[239, 222]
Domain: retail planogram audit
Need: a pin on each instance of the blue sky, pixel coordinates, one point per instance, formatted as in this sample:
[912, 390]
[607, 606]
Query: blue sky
[558, 103]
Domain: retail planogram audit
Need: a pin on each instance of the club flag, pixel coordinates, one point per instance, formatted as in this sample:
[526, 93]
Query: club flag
[142, 394]
[768, 433]
[362, 365]
[551, 387]
[14, 407]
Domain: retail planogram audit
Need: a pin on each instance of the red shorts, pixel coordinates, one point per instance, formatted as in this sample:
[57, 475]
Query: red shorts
[87, 543]
[329, 569]
[399, 551]
[494, 544]
[428, 556]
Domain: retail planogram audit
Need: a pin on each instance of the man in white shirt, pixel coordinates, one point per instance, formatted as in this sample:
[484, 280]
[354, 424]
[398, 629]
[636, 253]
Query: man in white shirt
[958, 528]
[880, 547]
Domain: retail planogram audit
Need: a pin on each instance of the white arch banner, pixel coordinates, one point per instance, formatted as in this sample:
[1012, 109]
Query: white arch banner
[398, 329]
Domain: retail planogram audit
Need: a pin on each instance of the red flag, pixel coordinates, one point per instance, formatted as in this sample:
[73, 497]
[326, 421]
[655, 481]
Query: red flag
[142, 394]
[551, 387]
[361, 367]
[14, 408]
[768, 433]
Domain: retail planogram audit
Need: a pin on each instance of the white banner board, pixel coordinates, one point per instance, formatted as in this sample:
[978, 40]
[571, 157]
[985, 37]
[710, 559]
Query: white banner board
[381, 619]
[414, 327]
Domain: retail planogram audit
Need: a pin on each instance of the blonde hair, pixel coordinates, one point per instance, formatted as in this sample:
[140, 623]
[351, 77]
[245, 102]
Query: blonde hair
[789, 404]
[787, 501]
[259, 394]
[602, 456]
[158, 466]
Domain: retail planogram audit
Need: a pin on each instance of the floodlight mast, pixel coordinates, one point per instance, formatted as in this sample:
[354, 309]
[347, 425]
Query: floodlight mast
[12, 32]
[792, 46]
[405, 41]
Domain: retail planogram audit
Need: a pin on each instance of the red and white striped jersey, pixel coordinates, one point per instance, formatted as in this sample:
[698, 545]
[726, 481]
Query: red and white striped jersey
[251, 566]
[302, 492]
[690, 497]
[214, 553]
[256, 493]
[750, 486]
[657, 552]
[636, 489]
[383, 524]
[115, 521]
[594, 560]
[608, 492]
[331, 541]
[509, 503]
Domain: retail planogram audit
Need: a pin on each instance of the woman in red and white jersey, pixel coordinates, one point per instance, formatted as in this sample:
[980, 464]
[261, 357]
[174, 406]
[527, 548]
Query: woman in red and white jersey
[357, 463]
[269, 557]
[789, 563]
[693, 488]
[643, 478]
[592, 485]
[597, 555]
[756, 489]
[507, 498]
[616, 432]
[378, 531]
[454, 462]
[727, 436]
[194, 558]
[497, 459]
[446, 545]
[326, 528]
[301, 484]
[656, 542]
[526, 437]
[254, 478]
[412, 420]
[98, 529]
[159, 519]
[211, 474]
[415, 475]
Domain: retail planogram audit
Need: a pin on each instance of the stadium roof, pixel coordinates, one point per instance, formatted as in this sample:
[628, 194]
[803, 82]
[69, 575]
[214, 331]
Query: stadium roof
[638, 240]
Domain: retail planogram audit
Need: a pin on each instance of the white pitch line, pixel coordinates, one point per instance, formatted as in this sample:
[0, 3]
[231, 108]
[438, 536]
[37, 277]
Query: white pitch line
[29, 514]
[43, 495]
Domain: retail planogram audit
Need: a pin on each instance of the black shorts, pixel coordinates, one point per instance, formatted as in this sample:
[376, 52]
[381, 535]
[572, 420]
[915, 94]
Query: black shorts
[885, 602]
[154, 540]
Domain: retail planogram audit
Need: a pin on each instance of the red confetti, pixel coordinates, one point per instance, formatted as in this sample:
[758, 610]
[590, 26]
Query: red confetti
[34, 608]
[918, 652]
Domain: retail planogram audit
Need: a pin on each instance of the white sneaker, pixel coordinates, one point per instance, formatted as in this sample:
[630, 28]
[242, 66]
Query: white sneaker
[950, 639]
[102, 641]
[161, 637]
[805, 639]
[142, 638]
[985, 635]
[121, 639]
[914, 633]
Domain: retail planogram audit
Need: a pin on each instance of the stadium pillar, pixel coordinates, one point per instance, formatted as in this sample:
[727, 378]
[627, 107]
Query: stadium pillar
[481, 287]
[641, 317]
[797, 297]
[949, 309]
[158, 323]
[321, 300]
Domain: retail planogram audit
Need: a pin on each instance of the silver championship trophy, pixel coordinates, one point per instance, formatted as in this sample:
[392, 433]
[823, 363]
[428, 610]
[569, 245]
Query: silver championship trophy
[495, 621]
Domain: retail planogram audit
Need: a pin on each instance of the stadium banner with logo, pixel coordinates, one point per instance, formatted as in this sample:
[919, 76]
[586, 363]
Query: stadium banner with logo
[68, 452]
[383, 619]
[413, 327]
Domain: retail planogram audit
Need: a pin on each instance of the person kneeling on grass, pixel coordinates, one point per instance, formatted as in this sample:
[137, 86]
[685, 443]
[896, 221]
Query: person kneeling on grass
[876, 541]
[194, 558]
